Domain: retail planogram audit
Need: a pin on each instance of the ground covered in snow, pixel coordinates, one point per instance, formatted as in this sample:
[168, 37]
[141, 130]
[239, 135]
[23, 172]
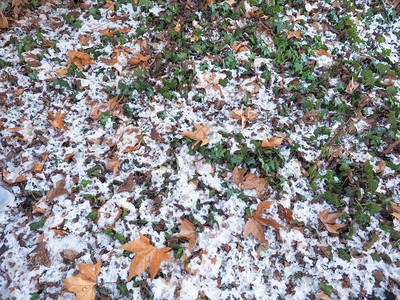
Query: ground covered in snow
[295, 102]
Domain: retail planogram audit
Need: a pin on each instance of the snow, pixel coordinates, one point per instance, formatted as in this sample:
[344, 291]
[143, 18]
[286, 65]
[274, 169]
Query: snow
[223, 265]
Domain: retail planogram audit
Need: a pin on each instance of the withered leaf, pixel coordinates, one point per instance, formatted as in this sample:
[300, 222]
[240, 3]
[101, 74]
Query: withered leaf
[254, 225]
[57, 121]
[199, 135]
[79, 59]
[238, 175]
[322, 296]
[321, 52]
[40, 255]
[247, 115]
[255, 228]
[57, 191]
[293, 34]
[188, 231]
[252, 181]
[114, 164]
[351, 87]
[329, 219]
[127, 186]
[272, 142]
[147, 256]
[83, 284]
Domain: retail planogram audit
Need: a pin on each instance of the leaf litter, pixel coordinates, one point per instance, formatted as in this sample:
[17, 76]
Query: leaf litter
[94, 111]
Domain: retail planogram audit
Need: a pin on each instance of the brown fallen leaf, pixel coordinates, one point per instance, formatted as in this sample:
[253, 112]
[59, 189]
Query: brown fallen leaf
[238, 175]
[380, 166]
[177, 27]
[322, 296]
[351, 87]
[84, 39]
[127, 186]
[79, 59]
[329, 219]
[114, 164]
[395, 207]
[188, 231]
[57, 121]
[293, 34]
[247, 115]
[40, 255]
[83, 284]
[57, 191]
[199, 135]
[147, 256]
[252, 181]
[107, 32]
[272, 142]
[254, 225]
[3, 21]
[322, 52]
[255, 228]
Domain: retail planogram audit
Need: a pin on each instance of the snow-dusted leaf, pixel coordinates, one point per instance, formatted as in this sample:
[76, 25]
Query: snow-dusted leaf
[114, 164]
[252, 181]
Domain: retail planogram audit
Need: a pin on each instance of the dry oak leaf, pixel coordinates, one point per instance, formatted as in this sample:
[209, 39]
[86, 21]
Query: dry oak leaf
[188, 232]
[248, 115]
[254, 225]
[199, 135]
[147, 256]
[79, 58]
[83, 284]
[329, 219]
[57, 121]
[114, 164]
[238, 175]
[252, 181]
[272, 142]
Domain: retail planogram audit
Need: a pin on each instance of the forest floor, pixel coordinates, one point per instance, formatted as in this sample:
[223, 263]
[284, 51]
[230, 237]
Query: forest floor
[240, 149]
